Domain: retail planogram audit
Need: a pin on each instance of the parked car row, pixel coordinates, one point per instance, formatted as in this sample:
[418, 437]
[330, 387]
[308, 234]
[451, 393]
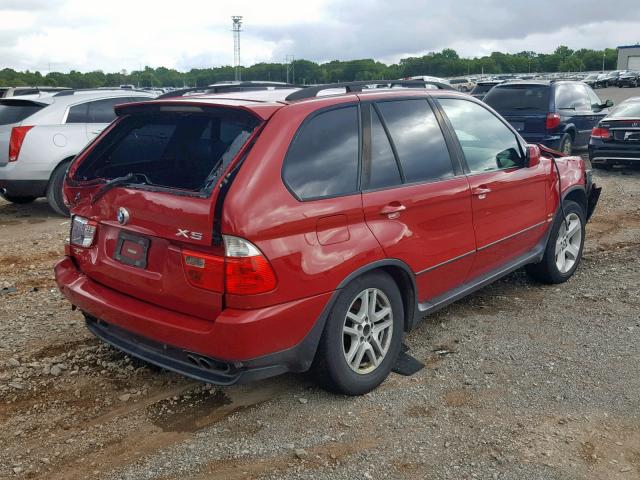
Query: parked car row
[41, 133]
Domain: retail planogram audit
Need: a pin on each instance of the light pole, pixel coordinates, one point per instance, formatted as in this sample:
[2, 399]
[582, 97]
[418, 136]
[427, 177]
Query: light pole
[603, 55]
[237, 28]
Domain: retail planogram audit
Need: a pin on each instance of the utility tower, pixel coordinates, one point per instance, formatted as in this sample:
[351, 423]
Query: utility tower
[237, 28]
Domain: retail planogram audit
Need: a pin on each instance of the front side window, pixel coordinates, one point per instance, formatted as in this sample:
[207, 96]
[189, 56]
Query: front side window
[322, 160]
[418, 140]
[487, 143]
[572, 97]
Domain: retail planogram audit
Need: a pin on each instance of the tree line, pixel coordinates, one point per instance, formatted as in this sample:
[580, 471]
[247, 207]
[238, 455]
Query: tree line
[446, 63]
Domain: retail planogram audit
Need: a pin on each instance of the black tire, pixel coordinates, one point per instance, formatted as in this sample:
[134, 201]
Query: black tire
[330, 367]
[54, 189]
[547, 270]
[566, 144]
[17, 200]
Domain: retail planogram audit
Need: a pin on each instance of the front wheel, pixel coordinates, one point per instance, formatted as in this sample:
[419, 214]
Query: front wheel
[564, 248]
[362, 337]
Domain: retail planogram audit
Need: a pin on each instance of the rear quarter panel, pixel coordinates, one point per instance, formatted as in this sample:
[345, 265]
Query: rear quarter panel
[261, 209]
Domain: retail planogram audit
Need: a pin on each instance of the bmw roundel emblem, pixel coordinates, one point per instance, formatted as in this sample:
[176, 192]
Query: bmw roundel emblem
[122, 216]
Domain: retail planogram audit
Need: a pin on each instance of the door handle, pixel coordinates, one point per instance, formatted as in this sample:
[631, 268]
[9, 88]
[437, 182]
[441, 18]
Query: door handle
[392, 210]
[481, 192]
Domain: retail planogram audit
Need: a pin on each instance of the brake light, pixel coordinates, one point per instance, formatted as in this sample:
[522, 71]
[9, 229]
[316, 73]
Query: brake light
[244, 270]
[247, 271]
[203, 270]
[553, 120]
[83, 231]
[599, 132]
[15, 141]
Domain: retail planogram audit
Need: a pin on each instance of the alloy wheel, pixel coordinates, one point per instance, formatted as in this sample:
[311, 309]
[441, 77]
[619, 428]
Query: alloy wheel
[568, 243]
[367, 331]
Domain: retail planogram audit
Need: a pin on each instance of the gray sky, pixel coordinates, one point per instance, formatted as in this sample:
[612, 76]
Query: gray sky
[87, 34]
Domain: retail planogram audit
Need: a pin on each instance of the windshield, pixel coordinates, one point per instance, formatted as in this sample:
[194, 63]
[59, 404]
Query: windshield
[173, 150]
[519, 97]
[15, 112]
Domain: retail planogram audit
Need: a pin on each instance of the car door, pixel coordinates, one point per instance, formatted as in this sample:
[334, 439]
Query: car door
[598, 113]
[508, 199]
[574, 106]
[416, 200]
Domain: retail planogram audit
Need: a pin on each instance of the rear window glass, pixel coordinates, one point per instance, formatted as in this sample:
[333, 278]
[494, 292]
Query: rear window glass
[16, 112]
[322, 160]
[628, 110]
[483, 87]
[519, 97]
[174, 150]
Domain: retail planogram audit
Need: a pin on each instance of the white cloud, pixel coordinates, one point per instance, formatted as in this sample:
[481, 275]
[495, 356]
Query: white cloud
[87, 34]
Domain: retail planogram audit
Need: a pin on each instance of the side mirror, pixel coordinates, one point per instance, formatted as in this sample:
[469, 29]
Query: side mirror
[607, 104]
[533, 155]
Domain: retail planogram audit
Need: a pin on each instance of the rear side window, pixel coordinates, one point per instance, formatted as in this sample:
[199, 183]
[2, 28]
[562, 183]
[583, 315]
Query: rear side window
[174, 150]
[418, 140]
[505, 98]
[483, 87]
[15, 112]
[322, 160]
[384, 169]
[101, 111]
[78, 113]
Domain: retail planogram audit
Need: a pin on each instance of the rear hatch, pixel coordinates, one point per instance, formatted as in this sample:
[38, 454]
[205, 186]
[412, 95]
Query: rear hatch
[524, 106]
[169, 160]
[12, 114]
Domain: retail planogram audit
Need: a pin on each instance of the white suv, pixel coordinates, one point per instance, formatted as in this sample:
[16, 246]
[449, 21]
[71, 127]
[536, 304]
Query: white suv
[40, 134]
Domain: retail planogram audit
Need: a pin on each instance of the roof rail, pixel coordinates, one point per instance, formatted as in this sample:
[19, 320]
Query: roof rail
[351, 87]
[230, 87]
[71, 91]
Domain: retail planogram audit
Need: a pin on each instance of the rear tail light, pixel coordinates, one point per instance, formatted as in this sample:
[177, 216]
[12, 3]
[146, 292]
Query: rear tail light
[244, 270]
[247, 271]
[15, 142]
[599, 132]
[83, 231]
[203, 270]
[553, 121]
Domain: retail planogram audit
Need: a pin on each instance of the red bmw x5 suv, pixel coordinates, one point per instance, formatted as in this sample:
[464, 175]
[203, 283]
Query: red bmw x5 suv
[239, 236]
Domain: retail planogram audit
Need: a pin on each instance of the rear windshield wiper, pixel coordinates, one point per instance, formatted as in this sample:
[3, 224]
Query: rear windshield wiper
[129, 179]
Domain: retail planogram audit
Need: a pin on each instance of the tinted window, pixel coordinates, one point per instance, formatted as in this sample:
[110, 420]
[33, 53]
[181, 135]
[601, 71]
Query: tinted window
[101, 111]
[486, 142]
[628, 110]
[572, 97]
[16, 112]
[323, 157]
[78, 113]
[483, 87]
[419, 142]
[172, 149]
[506, 98]
[384, 169]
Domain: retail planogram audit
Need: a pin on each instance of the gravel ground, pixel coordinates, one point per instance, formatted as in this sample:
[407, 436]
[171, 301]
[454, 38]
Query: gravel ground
[522, 381]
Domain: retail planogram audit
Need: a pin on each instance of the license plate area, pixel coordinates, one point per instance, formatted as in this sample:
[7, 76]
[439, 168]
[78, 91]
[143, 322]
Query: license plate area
[131, 250]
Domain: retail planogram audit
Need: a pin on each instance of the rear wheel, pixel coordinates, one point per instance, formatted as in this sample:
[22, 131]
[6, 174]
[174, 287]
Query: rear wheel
[564, 248]
[362, 337]
[566, 144]
[17, 200]
[54, 189]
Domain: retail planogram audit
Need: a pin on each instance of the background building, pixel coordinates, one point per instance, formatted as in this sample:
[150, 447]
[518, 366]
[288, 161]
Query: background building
[629, 57]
